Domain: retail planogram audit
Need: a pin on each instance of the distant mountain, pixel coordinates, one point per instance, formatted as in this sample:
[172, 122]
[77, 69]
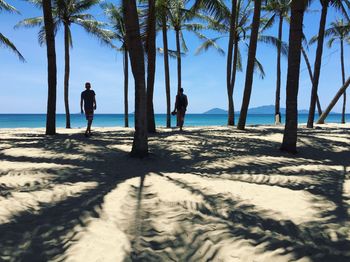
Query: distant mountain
[264, 110]
[215, 111]
[260, 110]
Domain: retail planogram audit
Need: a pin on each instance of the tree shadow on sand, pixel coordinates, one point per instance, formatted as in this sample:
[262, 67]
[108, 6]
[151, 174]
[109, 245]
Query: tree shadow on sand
[180, 230]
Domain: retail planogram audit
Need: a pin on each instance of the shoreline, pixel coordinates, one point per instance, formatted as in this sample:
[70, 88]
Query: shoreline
[301, 125]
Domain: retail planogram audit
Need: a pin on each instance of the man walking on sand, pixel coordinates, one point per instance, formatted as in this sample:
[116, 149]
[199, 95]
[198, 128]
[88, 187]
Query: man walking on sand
[88, 98]
[181, 107]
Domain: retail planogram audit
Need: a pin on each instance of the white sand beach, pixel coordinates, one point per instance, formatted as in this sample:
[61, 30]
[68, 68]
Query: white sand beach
[205, 194]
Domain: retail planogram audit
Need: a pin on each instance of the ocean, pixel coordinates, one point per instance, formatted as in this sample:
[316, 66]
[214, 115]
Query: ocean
[110, 120]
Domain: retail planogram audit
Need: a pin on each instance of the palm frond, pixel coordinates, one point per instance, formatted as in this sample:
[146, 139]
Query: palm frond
[8, 44]
[210, 43]
[216, 8]
[273, 41]
[330, 42]
[83, 5]
[171, 53]
[269, 23]
[96, 29]
[259, 68]
[183, 42]
[7, 7]
[30, 22]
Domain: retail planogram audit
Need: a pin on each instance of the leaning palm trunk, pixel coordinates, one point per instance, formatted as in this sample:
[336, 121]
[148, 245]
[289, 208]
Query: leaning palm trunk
[166, 69]
[126, 87]
[250, 65]
[340, 92]
[318, 61]
[140, 142]
[66, 74]
[232, 36]
[151, 65]
[308, 65]
[51, 68]
[343, 78]
[278, 80]
[295, 36]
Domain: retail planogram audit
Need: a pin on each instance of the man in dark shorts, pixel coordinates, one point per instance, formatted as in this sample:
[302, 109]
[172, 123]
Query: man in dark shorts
[88, 97]
[181, 107]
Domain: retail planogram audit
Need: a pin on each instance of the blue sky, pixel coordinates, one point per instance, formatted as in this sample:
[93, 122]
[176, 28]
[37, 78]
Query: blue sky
[24, 85]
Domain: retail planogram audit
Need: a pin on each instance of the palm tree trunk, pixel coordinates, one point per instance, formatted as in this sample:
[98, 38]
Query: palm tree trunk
[51, 68]
[250, 65]
[66, 73]
[308, 65]
[151, 65]
[126, 87]
[295, 36]
[166, 69]
[232, 35]
[178, 56]
[318, 61]
[340, 92]
[140, 142]
[343, 79]
[278, 81]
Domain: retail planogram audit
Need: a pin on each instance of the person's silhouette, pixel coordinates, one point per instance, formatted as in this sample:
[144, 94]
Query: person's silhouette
[89, 101]
[181, 104]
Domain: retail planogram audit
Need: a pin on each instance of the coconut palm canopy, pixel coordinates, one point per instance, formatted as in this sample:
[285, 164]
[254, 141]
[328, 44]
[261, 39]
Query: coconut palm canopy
[104, 66]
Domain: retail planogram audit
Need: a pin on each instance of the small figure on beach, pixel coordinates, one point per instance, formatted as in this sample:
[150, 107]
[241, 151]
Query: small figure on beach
[180, 108]
[88, 98]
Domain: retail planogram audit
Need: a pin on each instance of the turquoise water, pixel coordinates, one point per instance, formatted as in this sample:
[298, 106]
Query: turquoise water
[110, 120]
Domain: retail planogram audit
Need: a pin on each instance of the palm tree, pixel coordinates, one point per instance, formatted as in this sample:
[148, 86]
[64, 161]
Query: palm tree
[116, 19]
[134, 42]
[280, 9]
[339, 31]
[180, 18]
[163, 7]
[52, 69]
[234, 61]
[3, 39]
[294, 54]
[318, 61]
[66, 13]
[151, 63]
[250, 65]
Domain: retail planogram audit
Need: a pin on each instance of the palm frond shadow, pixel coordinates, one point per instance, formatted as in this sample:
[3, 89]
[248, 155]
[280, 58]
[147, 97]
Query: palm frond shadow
[199, 231]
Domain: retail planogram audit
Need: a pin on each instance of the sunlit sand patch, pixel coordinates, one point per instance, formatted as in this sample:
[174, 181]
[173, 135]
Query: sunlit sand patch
[104, 239]
[86, 148]
[42, 153]
[10, 165]
[332, 138]
[246, 160]
[121, 147]
[177, 138]
[315, 168]
[269, 138]
[280, 203]
[168, 191]
[271, 179]
[31, 201]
